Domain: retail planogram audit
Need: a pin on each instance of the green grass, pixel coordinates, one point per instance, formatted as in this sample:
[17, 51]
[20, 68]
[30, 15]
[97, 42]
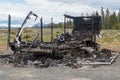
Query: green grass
[29, 34]
[110, 38]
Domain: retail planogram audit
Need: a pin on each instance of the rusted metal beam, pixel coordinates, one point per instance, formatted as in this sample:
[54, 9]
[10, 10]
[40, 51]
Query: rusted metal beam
[41, 21]
[51, 29]
[64, 24]
[9, 29]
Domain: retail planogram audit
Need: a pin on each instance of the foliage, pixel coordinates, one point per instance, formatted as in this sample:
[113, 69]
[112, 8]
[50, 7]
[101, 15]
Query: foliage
[97, 14]
[13, 32]
[27, 37]
[27, 30]
[110, 20]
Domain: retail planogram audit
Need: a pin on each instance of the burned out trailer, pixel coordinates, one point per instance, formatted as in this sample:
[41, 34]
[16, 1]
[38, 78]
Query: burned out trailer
[86, 27]
[67, 47]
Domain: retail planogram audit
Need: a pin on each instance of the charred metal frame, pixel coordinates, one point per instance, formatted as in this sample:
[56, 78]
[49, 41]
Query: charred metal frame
[9, 30]
[64, 36]
[51, 29]
[41, 21]
[93, 23]
[81, 42]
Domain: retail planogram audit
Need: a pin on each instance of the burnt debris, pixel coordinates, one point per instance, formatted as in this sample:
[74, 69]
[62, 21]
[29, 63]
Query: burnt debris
[67, 49]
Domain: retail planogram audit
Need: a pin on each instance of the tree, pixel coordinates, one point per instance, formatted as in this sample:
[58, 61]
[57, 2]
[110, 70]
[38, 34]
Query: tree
[107, 19]
[119, 16]
[113, 20]
[97, 14]
[103, 16]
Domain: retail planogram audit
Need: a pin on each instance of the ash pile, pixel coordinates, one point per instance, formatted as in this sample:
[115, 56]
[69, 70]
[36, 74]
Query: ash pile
[70, 60]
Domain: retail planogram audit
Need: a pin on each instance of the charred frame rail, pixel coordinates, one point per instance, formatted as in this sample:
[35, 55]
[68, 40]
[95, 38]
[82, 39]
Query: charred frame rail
[9, 29]
[64, 24]
[51, 29]
[41, 21]
[80, 43]
[16, 45]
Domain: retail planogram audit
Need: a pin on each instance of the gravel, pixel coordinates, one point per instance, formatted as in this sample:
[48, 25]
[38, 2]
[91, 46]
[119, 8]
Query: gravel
[86, 72]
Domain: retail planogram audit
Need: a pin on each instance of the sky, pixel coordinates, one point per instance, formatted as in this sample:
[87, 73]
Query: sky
[18, 9]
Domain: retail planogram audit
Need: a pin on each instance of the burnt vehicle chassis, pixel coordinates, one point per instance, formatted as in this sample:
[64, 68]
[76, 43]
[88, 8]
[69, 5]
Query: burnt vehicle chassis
[67, 47]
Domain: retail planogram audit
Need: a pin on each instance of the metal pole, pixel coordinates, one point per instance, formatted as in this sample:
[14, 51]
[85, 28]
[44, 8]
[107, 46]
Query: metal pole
[9, 29]
[51, 29]
[41, 21]
[93, 31]
[67, 23]
[64, 24]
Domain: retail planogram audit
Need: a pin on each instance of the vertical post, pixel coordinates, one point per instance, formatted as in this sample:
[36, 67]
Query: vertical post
[51, 29]
[70, 23]
[67, 24]
[92, 25]
[93, 30]
[41, 21]
[9, 29]
[64, 24]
